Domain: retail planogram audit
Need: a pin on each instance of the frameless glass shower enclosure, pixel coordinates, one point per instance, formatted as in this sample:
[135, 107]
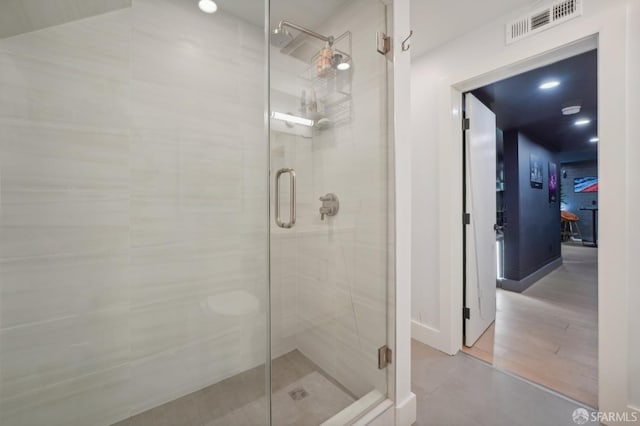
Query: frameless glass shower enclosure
[195, 212]
[329, 239]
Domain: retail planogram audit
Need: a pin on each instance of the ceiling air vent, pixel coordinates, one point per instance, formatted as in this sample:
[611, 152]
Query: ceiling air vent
[543, 19]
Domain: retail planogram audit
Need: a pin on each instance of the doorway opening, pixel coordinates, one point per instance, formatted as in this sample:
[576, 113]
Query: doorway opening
[530, 233]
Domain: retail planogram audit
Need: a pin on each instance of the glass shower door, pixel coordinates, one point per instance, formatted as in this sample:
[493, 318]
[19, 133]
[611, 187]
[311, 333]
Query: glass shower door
[330, 194]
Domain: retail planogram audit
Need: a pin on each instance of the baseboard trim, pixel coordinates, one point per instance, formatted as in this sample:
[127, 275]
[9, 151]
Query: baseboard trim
[430, 336]
[383, 415]
[521, 285]
[406, 412]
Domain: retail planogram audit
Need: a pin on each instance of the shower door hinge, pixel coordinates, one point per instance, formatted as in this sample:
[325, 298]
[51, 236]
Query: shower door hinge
[466, 219]
[384, 357]
[383, 43]
[466, 124]
[466, 313]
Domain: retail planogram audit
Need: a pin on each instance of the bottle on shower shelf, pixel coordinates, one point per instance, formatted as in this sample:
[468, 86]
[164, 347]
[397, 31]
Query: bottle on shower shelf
[323, 63]
[303, 103]
[313, 105]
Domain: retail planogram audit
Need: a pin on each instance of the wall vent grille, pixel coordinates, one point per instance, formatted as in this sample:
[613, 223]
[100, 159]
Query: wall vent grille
[564, 9]
[519, 28]
[542, 19]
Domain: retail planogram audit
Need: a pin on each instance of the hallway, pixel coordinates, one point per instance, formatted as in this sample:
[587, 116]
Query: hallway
[548, 334]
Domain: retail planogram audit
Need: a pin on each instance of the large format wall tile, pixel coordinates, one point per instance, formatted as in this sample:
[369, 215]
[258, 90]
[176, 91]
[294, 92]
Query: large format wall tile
[44, 354]
[20, 16]
[101, 398]
[198, 262]
[133, 212]
[39, 289]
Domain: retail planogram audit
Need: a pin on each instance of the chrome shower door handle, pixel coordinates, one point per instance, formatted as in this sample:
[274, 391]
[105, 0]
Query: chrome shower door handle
[292, 200]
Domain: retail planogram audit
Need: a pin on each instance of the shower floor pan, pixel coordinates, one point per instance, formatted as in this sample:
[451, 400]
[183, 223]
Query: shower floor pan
[302, 395]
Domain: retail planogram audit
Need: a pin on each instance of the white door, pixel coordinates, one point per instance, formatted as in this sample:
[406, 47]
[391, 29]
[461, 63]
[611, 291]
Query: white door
[480, 163]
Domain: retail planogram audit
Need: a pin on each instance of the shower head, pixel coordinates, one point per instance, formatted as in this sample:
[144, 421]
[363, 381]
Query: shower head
[280, 37]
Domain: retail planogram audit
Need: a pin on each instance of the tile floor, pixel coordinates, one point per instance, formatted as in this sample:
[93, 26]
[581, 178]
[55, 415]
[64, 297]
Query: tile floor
[303, 395]
[462, 390]
[451, 391]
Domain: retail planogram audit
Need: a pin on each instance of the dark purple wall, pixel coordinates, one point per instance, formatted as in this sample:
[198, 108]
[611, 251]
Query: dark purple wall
[532, 234]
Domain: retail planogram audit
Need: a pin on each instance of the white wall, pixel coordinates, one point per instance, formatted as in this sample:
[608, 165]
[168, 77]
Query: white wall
[132, 170]
[405, 411]
[437, 81]
[633, 154]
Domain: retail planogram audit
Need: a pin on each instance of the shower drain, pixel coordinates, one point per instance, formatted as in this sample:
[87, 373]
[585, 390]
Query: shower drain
[298, 393]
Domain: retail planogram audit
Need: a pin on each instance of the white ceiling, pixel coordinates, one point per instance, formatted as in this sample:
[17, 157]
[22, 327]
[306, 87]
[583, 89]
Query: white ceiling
[435, 22]
[22, 16]
[308, 13]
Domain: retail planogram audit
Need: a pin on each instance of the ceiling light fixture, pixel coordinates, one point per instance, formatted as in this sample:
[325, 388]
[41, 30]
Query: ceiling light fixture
[208, 6]
[594, 139]
[549, 84]
[571, 110]
[582, 122]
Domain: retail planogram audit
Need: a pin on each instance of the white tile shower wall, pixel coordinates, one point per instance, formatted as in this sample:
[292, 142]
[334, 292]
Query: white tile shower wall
[341, 262]
[132, 165]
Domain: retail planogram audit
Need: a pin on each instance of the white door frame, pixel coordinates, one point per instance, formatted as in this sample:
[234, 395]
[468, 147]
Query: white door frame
[606, 31]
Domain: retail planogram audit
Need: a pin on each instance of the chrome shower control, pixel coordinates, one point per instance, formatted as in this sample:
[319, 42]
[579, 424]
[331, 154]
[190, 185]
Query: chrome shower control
[330, 205]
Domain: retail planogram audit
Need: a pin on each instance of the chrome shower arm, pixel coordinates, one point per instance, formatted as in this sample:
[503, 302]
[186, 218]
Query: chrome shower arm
[306, 31]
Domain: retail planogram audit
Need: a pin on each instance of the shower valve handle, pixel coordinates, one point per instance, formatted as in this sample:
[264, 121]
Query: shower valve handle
[330, 205]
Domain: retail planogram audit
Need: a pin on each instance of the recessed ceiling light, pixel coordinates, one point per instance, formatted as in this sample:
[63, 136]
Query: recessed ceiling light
[343, 66]
[208, 6]
[582, 122]
[549, 84]
[594, 140]
[571, 110]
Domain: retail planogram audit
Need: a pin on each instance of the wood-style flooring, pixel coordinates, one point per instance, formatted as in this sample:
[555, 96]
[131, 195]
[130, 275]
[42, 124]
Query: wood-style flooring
[548, 334]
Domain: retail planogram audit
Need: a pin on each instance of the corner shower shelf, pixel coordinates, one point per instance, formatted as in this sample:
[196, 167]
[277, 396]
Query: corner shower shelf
[332, 89]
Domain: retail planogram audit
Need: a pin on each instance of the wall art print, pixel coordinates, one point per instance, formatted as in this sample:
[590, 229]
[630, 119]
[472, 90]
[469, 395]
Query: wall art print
[553, 182]
[535, 171]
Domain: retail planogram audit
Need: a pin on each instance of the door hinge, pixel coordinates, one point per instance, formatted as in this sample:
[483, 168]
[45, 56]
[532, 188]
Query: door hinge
[383, 43]
[384, 357]
[466, 218]
[466, 313]
[466, 124]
